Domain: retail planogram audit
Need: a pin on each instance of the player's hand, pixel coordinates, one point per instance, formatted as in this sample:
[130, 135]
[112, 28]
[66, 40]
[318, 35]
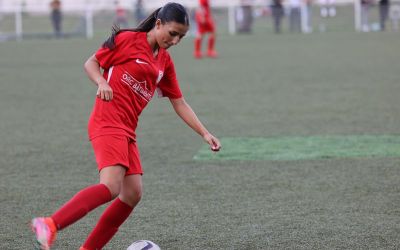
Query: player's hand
[104, 91]
[215, 144]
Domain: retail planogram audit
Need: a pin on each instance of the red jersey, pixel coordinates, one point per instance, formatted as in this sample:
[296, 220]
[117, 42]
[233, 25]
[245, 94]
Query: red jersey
[204, 20]
[205, 6]
[204, 3]
[134, 74]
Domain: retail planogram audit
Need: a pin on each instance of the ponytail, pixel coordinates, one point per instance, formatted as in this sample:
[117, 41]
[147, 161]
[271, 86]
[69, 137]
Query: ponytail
[144, 26]
[147, 24]
[170, 12]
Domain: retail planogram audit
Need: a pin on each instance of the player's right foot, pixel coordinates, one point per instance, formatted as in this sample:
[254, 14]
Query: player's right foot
[45, 232]
[197, 55]
[212, 54]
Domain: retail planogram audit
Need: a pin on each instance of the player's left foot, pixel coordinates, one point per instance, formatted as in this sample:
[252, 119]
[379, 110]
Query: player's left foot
[45, 232]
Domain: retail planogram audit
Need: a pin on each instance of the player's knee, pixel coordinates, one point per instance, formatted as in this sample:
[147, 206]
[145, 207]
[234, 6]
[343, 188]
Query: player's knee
[132, 196]
[114, 187]
[135, 195]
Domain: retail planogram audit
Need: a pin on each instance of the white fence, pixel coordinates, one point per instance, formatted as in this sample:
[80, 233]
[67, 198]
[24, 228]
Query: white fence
[70, 5]
[87, 9]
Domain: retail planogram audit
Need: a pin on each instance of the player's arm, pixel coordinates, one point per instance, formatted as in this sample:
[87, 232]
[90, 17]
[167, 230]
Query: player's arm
[186, 113]
[92, 68]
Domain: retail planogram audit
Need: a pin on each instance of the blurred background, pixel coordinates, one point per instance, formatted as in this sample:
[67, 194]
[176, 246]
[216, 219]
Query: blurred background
[31, 18]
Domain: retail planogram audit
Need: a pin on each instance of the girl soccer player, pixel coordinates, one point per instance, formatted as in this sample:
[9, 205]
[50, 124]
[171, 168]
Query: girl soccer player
[136, 64]
[205, 25]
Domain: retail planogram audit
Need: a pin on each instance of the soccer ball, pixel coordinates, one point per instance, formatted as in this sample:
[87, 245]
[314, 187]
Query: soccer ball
[143, 245]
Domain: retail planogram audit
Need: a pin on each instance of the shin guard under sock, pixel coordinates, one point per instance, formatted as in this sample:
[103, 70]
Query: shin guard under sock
[108, 225]
[82, 203]
[211, 43]
[197, 45]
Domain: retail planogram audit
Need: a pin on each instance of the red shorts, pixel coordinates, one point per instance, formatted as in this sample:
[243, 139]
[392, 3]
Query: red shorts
[112, 150]
[207, 26]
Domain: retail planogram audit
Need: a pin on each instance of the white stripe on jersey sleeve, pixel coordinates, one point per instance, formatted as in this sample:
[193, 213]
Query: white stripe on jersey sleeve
[109, 74]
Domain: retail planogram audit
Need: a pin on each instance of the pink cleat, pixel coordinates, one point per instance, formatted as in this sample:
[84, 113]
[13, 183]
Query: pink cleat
[45, 232]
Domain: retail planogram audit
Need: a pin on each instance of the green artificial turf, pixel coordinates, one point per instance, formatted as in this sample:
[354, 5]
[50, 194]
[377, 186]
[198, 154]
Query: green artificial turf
[303, 148]
[323, 88]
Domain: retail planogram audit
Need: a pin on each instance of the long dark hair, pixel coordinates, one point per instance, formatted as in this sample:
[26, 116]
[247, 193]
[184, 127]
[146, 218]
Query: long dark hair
[170, 12]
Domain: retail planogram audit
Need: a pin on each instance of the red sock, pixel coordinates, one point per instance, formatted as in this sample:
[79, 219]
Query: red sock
[211, 43]
[108, 225]
[82, 203]
[197, 44]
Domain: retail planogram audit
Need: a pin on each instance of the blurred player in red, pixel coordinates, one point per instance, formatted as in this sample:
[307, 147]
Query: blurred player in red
[205, 24]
